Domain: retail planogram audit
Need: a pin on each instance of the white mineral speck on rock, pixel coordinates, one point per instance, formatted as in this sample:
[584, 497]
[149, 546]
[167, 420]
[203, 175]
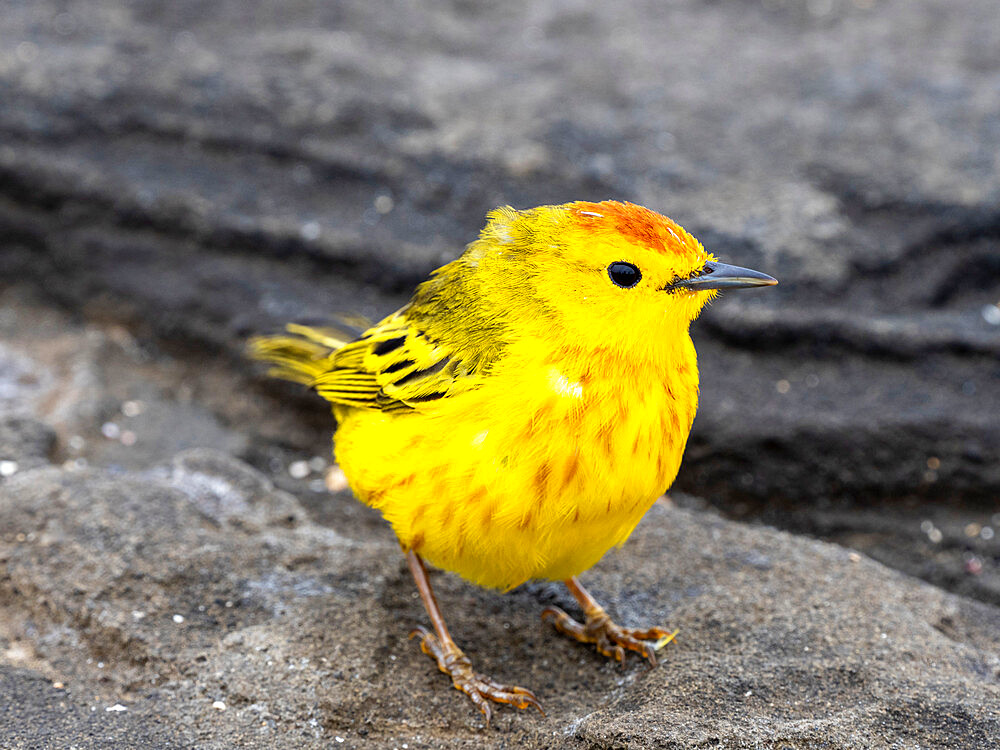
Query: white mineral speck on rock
[178, 619]
[110, 430]
[310, 230]
[991, 314]
[133, 408]
[299, 469]
[117, 708]
[336, 480]
[7, 468]
[219, 705]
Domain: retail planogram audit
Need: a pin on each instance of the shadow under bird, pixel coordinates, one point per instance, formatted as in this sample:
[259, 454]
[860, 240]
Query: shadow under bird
[521, 413]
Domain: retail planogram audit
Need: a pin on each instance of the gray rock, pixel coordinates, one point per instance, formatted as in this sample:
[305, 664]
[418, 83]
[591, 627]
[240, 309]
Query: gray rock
[36, 715]
[25, 443]
[129, 593]
[218, 172]
[175, 177]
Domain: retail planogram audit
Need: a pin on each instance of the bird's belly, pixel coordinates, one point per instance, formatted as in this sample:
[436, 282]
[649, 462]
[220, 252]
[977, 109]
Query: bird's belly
[500, 499]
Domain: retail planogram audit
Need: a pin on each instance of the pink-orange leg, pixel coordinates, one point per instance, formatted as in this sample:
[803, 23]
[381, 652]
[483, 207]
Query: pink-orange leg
[453, 662]
[611, 640]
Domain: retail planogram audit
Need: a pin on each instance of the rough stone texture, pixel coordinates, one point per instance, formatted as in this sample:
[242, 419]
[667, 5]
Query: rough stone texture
[215, 169]
[177, 175]
[168, 590]
[25, 442]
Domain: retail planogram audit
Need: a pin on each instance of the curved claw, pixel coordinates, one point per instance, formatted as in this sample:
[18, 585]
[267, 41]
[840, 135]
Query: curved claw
[610, 639]
[480, 688]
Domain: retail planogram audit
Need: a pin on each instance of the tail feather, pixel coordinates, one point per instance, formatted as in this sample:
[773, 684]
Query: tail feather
[301, 355]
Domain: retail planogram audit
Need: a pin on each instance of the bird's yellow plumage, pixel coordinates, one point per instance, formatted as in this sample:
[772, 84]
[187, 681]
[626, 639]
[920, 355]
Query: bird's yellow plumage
[519, 416]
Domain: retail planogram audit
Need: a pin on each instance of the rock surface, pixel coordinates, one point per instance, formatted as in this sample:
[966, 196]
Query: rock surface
[176, 176]
[211, 171]
[194, 604]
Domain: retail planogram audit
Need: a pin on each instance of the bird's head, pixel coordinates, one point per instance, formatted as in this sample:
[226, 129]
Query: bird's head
[609, 274]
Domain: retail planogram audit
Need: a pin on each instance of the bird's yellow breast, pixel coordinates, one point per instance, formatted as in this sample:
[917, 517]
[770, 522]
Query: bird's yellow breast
[536, 473]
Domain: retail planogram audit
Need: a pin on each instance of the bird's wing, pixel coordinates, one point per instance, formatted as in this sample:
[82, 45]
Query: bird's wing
[443, 343]
[405, 363]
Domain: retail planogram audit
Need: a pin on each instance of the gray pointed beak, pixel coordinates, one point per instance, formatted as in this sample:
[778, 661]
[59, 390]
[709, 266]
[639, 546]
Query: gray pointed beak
[717, 275]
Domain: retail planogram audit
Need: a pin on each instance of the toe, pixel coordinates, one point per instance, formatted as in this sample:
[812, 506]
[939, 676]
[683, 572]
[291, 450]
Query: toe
[518, 697]
[666, 638]
[430, 645]
[649, 634]
[481, 703]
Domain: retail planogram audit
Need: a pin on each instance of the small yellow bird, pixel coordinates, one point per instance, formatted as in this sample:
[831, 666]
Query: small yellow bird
[519, 416]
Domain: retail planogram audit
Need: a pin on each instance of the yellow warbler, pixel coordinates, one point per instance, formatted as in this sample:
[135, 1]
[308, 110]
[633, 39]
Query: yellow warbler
[519, 416]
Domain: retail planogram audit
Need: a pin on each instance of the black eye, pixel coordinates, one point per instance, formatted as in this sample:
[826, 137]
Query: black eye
[624, 274]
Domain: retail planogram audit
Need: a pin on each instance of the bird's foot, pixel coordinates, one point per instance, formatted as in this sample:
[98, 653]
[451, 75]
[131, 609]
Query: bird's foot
[611, 640]
[479, 688]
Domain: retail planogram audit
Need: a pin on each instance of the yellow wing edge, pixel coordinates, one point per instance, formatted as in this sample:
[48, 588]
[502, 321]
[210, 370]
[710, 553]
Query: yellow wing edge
[301, 356]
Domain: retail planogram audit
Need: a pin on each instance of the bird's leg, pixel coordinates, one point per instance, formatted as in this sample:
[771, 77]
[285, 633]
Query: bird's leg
[453, 662]
[611, 640]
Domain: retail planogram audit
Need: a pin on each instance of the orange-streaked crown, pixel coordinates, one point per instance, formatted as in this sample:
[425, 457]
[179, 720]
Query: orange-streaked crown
[640, 225]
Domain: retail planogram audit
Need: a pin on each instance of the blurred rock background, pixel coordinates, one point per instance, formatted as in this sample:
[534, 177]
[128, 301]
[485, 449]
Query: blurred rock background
[175, 176]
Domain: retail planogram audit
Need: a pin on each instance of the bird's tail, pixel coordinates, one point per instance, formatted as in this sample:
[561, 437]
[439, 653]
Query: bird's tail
[300, 355]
